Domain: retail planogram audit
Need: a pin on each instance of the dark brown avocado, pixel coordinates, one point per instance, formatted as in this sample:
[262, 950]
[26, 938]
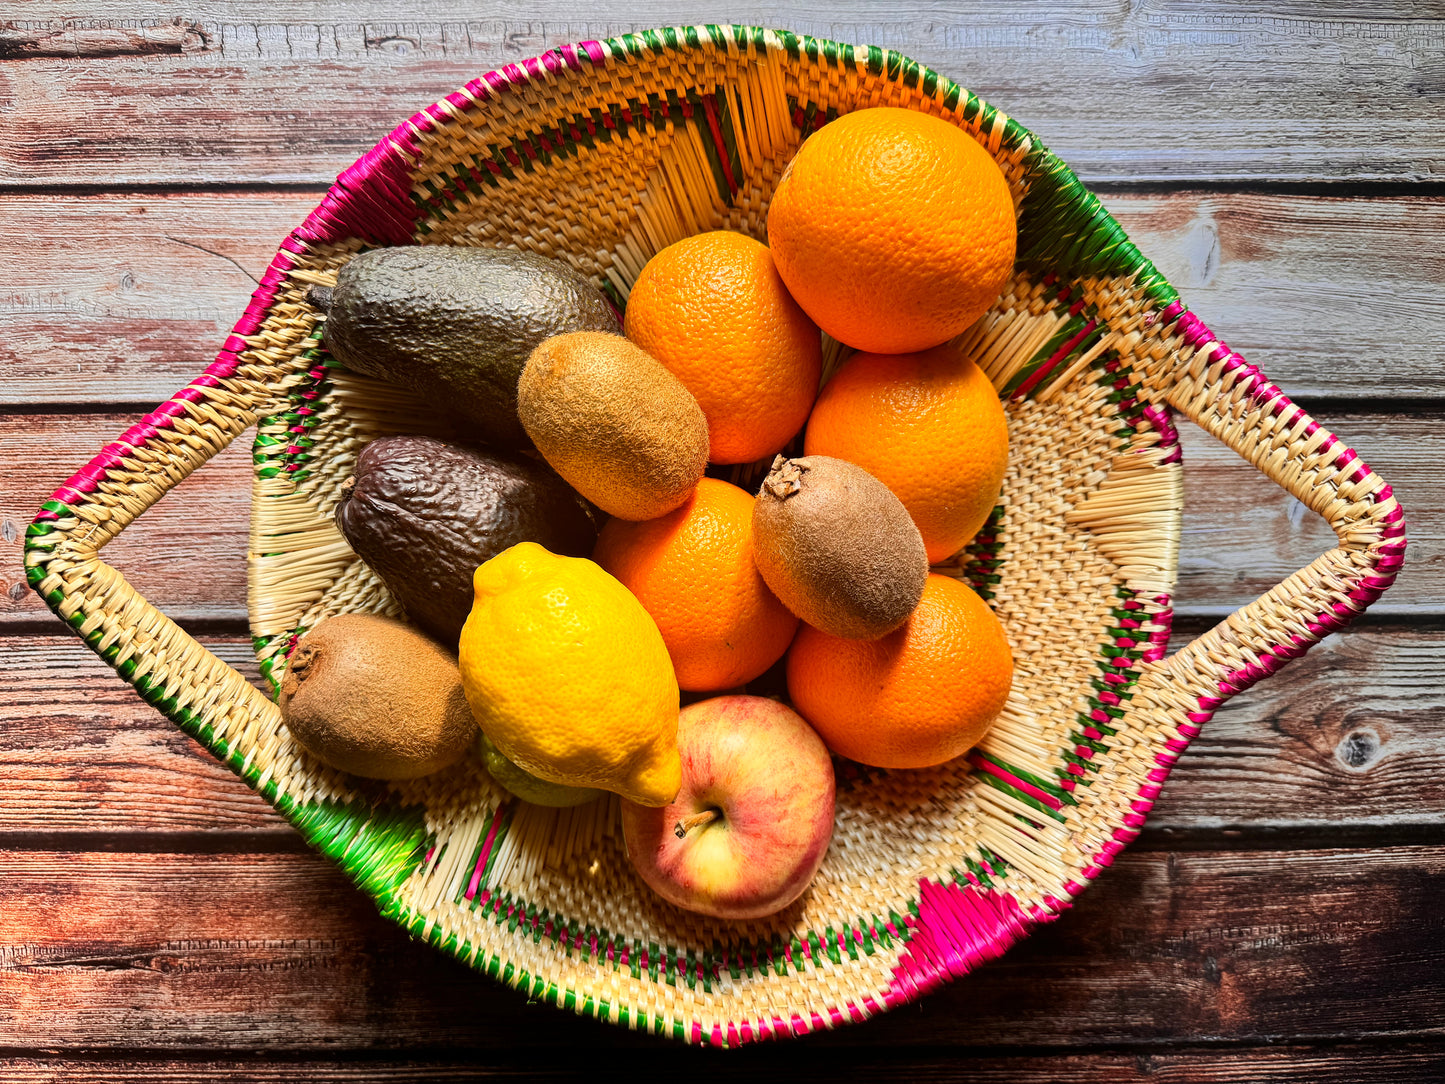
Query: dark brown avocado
[423, 514]
[457, 323]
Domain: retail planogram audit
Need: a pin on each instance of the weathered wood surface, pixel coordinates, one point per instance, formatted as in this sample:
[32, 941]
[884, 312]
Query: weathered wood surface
[187, 555]
[1345, 739]
[129, 296]
[276, 952]
[1201, 90]
[83, 756]
[1334, 1064]
[1242, 533]
[159, 921]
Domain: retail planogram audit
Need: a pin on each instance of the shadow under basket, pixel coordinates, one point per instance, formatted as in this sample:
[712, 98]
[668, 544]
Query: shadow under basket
[601, 154]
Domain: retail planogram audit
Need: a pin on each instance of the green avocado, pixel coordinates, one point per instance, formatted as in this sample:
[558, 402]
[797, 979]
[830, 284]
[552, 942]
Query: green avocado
[457, 323]
[424, 513]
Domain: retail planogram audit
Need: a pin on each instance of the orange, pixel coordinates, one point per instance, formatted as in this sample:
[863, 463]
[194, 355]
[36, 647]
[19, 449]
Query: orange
[929, 426]
[693, 571]
[713, 309]
[893, 229]
[922, 695]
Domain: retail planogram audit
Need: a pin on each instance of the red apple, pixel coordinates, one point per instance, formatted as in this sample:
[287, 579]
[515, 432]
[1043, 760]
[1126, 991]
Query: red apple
[752, 821]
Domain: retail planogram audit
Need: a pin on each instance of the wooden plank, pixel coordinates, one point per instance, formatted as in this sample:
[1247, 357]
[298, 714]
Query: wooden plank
[1348, 1064]
[82, 755]
[1345, 739]
[1241, 533]
[187, 555]
[125, 298]
[1310, 289]
[271, 953]
[294, 92]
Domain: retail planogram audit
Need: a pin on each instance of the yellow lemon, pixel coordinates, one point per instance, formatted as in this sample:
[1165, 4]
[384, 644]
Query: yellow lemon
[568, 676]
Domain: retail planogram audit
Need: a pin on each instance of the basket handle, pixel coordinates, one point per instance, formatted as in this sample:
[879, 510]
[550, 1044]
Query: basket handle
[1236, 404]
[1212, 386]
[167, 666]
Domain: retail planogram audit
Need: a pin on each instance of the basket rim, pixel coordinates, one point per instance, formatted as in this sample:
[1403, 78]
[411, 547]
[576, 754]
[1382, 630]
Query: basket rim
[371, 199]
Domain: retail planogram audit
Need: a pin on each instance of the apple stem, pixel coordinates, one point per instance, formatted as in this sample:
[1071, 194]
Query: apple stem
[697, 820]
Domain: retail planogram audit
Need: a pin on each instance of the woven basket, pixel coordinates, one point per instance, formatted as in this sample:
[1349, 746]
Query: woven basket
[601, 154]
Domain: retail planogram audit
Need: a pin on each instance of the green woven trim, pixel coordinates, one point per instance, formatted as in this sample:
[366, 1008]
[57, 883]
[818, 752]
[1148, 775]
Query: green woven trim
[380, 849]
[980, 571]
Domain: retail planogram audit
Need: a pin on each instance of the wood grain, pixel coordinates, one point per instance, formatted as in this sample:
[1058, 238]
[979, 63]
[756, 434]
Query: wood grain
[294, 92]
[1346, 738]
[127, 297]
[1335, 1064]
[176, 36]
[277, 952]
[187, 555]
[82, 755]
[1242, 534]
[1280, 163]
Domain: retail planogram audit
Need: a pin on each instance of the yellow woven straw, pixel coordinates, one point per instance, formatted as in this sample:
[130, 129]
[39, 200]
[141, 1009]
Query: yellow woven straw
[601, 155]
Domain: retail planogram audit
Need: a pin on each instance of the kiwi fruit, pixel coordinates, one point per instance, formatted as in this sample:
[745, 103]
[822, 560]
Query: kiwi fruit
[374, 697]
[614, 423]
[837, 547]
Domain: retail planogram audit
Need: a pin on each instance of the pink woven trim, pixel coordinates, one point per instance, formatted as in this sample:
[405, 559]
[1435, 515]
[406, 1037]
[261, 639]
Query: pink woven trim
[1370, 585]
[1038, 375]
[1160, 417]
[1163, 622]
[985, 765]
[958, 927]
[486, 852]
[371, 199]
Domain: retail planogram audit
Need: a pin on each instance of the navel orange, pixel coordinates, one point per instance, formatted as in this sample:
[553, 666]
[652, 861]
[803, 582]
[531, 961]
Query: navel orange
[693, 571]
[713, 309]
[921, 695]
[895, 230]
[929, 426]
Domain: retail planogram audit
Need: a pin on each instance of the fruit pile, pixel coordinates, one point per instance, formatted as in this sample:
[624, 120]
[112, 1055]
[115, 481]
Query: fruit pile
[570, 573]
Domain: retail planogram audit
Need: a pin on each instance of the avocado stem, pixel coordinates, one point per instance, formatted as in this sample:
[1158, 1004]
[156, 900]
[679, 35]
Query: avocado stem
[320, 297]
[697, 820]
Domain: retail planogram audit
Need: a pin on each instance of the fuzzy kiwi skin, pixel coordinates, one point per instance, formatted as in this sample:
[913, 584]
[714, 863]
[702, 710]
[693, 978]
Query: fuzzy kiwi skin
[376, 698]
[837, 547]
[612, 421]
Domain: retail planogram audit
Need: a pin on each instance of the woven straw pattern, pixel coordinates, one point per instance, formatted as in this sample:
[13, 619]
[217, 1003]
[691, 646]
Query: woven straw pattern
[601, 155]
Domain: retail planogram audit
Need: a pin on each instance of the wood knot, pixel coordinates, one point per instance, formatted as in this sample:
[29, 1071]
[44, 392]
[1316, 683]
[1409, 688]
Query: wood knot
[1358, 749]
